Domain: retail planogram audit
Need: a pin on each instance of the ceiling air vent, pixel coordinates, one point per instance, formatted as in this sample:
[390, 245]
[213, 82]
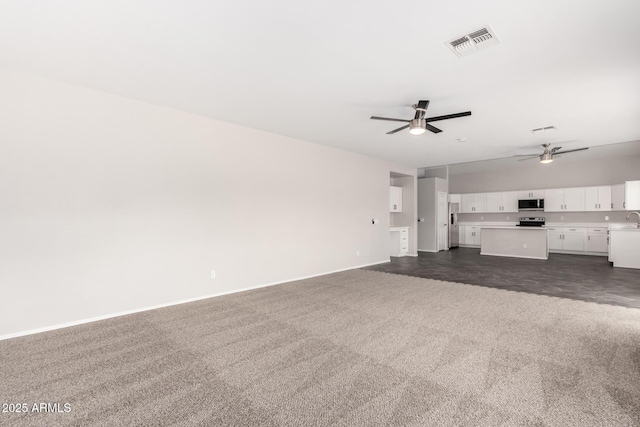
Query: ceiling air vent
[544, 129]
[473, 42]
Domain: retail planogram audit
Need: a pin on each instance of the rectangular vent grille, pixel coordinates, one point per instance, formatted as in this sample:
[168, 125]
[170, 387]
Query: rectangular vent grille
[544, 129]
[473, 42]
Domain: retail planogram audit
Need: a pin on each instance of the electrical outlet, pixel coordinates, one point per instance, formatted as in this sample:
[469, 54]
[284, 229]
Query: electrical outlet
[357, 253]
[213, 274]
[606, 218]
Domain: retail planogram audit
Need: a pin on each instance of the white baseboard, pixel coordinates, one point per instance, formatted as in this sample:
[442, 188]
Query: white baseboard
[427, 250]
[154, 307]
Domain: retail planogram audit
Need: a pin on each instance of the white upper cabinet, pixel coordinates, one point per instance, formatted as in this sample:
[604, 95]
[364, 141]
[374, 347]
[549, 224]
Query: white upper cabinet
[598, 198]
[395, 198]
[502, 202]
[574, 199]
[455, 198]
[473, 203]
[632, 195]
[564, 200]
[554, 200]
[617, 197]
[494, 202]
[530, 194]
[510, 201]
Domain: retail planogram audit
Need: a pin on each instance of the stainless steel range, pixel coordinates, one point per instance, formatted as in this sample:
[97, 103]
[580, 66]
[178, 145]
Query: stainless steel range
[530, 221]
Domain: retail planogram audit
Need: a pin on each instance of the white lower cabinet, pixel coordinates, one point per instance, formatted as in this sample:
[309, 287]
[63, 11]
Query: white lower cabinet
[568, 238]
[597, 240]
[399, 241]
[472, 235]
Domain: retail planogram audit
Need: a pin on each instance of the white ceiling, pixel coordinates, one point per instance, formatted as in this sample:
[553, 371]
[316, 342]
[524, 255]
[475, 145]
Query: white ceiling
[318, 70]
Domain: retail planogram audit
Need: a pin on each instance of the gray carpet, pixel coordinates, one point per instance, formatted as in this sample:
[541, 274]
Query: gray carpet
[347, 349]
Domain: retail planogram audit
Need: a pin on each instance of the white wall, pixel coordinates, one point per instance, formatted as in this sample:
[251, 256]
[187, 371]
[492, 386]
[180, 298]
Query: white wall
[559, 174]
[110, 205]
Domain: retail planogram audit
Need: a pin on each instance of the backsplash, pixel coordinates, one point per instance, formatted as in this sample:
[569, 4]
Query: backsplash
[593, 217]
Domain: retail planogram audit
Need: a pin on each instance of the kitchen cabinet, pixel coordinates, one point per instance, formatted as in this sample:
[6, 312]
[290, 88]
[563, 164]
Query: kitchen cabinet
[395, 198]
[472, 235]
[531, 194]
[455, 198]
[617, 197]
[597, 240]
[573, 239]
[564, 200]
[598, 198]
[502, 202]
[461, 234]
[568, 238]
[555, 238]
[473, 203]
[399, 241]
[632, 195]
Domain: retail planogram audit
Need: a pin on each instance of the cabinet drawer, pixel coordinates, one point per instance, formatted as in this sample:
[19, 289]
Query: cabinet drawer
[404, 232]
[599, 230]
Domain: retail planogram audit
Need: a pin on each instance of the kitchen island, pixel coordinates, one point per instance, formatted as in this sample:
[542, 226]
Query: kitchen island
[514, 241]
[625, 248]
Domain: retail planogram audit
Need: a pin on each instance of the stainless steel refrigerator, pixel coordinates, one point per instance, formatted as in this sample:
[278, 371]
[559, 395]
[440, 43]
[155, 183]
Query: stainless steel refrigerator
[454, 231]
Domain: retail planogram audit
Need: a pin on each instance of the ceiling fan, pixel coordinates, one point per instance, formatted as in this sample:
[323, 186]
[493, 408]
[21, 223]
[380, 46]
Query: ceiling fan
[419, 124]
[547, 155]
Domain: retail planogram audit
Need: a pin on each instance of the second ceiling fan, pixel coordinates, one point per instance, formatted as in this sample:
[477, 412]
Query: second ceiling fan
[420, 124]
[547, 155]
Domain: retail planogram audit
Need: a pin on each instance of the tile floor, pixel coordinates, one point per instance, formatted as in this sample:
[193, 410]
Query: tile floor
[579, 277]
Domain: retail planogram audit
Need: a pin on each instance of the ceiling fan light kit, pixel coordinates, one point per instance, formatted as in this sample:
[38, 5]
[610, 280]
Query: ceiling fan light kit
[546, 157]
[419, 124]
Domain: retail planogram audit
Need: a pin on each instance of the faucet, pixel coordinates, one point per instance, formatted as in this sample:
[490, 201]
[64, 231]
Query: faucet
[637, 213]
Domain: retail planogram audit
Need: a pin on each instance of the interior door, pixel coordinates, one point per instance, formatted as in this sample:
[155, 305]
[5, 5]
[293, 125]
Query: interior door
[443, 221]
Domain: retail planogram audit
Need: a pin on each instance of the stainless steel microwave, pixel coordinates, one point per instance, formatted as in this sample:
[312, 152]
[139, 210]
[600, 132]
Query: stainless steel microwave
[531, 205]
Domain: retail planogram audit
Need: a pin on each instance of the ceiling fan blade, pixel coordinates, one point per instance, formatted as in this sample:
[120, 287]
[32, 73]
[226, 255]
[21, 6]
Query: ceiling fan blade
[397, 130]
[553, 150]
[525, 155]
[433, 128]
[570, 151]
[448, 116]
[389, 119]
[528, 158]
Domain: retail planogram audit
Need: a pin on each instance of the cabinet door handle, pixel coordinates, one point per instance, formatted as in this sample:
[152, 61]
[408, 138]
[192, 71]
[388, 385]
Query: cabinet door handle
[588, 237]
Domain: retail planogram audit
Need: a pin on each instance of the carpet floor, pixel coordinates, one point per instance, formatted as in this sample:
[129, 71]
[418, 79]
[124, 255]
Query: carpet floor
[346, 349]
